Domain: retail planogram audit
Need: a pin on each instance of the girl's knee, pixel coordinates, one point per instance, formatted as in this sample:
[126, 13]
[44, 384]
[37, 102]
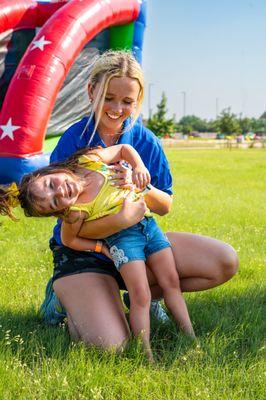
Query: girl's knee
[115, 342]
[140, 296]
[229, 263]
[170, 281]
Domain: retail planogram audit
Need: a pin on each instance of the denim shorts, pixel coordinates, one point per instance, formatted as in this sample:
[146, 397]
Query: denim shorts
[137, 242]
[70, 262]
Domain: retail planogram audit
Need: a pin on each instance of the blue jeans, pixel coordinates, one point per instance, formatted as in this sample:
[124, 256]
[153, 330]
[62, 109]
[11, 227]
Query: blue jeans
[137, 242]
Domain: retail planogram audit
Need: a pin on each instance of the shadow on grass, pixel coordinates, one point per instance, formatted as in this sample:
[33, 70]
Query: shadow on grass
[227, 326]
[26, 334]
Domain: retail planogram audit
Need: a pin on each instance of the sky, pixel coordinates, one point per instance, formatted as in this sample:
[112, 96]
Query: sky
[206, 55]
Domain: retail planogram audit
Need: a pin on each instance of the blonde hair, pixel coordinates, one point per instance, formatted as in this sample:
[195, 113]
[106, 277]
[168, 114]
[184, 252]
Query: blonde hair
[115, 64]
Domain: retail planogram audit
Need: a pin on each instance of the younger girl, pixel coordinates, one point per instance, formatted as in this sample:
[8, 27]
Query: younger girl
[80, 190]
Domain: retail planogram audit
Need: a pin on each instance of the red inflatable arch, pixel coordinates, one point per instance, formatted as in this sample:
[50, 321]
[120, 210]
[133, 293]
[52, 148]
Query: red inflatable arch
[25, 14]
[31, 95]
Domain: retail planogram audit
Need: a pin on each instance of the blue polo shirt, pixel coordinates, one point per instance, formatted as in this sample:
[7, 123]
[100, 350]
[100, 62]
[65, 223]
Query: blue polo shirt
[142, 139]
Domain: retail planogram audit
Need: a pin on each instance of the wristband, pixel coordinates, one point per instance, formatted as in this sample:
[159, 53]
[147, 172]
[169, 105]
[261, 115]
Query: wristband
[147, 189]
[98, 246]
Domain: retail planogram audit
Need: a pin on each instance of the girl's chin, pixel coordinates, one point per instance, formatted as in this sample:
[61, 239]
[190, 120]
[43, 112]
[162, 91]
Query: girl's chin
[111, 123]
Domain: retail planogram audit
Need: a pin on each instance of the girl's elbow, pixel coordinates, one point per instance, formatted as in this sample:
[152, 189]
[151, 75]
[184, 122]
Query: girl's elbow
[165, 209]
[66, 242]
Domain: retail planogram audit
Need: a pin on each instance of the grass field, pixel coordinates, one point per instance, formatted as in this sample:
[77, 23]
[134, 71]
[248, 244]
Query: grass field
[220, 193]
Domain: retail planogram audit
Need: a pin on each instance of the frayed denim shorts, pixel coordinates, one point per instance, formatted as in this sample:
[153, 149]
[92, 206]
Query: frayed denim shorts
[137, 242]
[70, 262]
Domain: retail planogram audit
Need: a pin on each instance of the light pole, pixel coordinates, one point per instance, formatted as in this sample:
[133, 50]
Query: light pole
[149, 99]
[217, 106]
[184, 103]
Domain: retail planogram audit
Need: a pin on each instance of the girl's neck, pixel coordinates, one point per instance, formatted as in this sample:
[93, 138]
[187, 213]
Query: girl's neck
[109, 136]
[91, 183]
[110, 140]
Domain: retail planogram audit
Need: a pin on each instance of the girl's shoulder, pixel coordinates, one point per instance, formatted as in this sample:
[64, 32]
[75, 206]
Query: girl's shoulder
[75, 215]
[71, 141]
[143, 133]
[92, 162]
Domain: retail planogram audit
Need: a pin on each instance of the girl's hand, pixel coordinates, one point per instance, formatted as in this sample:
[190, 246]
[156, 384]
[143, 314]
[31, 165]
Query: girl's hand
[121, 175]
[105, 251]
[141, 177]
[132, 211]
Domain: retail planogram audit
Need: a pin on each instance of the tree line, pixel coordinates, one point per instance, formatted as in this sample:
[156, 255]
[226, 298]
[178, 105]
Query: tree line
[226, 123]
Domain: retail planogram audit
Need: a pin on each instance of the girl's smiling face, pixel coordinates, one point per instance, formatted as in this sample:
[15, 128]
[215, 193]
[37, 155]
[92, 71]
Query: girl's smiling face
[55, 192]
[120, 102]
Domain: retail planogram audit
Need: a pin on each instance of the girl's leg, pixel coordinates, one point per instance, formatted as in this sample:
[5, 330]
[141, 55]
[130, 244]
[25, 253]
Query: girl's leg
[202, 262]
[162, 264]
[94, 308]
[134, 275]
[73, 332]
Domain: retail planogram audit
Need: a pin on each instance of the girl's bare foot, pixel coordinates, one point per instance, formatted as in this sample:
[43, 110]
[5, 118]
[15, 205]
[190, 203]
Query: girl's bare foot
[150, 357]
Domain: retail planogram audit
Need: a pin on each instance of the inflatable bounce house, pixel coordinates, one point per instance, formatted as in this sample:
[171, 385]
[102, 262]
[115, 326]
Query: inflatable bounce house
[46, 50]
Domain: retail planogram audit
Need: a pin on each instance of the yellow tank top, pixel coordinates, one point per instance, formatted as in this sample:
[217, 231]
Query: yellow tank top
[110, 198]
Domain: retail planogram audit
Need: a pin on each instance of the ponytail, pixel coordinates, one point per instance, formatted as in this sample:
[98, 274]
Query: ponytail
[9, 199]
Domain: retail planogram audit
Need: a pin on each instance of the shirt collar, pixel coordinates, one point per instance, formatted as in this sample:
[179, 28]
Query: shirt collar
[96, 140]
[126, 137]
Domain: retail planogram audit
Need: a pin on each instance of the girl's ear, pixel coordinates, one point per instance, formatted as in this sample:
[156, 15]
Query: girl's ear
[90, 91]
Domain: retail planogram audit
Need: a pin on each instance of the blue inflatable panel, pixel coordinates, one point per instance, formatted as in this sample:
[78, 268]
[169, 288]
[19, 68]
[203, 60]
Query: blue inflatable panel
[13, 169]
[139, 28]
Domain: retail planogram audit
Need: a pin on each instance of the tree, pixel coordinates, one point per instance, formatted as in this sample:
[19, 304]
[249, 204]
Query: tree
[212, 126]
[258, 126]
[245, 125]
[227, 123]
[191, 123]
[158, 123]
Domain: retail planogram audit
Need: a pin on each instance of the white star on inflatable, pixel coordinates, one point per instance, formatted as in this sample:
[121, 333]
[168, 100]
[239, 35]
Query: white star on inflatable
[8, 129]
[39, 44]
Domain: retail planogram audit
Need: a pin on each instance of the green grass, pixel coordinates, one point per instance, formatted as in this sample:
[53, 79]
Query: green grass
[50, 143]
[218, 193]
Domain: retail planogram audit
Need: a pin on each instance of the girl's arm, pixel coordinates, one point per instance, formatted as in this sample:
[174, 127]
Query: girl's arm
[130, 214]
[158, 201]
[113, 154]
[70, 230]
[70, 238]
[102, 228]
